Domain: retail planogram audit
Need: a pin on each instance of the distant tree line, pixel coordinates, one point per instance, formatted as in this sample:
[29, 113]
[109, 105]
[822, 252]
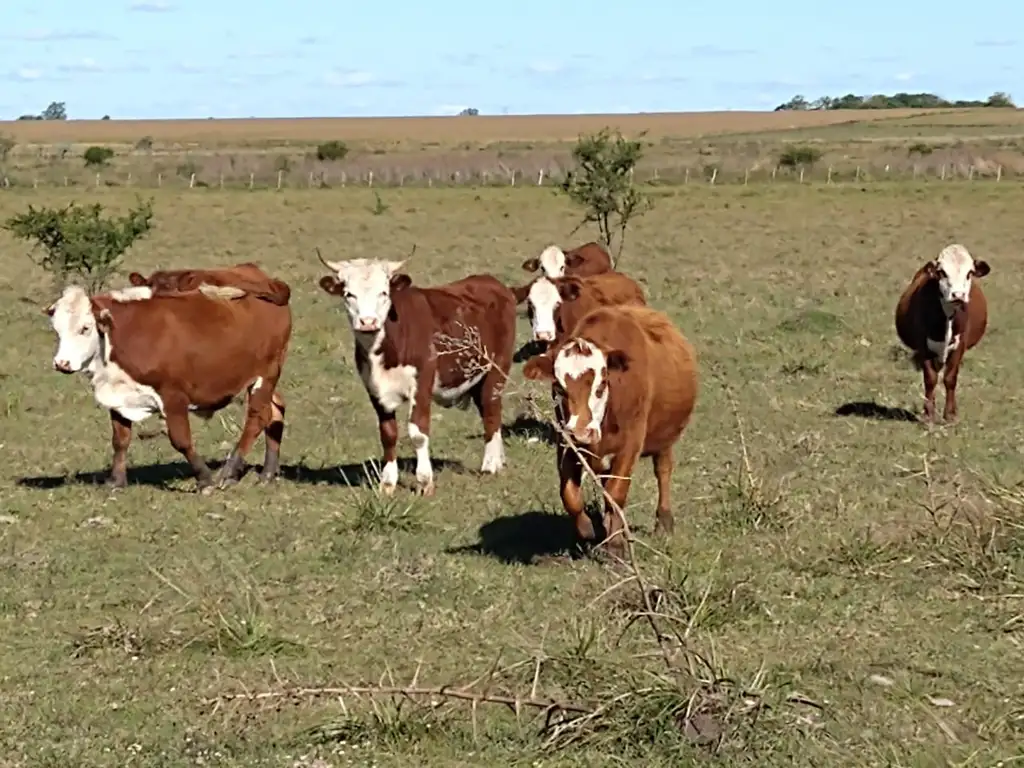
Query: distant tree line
[895, 101]
[56, 111]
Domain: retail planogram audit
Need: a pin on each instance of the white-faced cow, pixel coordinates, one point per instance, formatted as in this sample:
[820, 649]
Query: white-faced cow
[589, 259]
[555, 305]
[448, 344]
[177, 353]
[626, 385]
[939, 316]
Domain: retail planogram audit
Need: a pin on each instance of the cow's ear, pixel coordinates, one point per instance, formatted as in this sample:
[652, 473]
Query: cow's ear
[48, 311]
[522, 292]
[981, 268]
[136, 279]
[539, 367]
[931, 270]
[400, 282]
[618, 360]
[332, 285]
[573, 260]
[570, 288]
[104, 320]
[531, 265]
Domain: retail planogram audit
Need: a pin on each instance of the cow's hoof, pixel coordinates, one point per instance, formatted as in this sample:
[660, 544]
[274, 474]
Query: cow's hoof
[264, 478]
[664, 525]
[425, 489]
[114, 483]
[388, 489]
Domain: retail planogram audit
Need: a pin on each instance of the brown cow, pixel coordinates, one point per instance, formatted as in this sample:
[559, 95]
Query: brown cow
[450, 343]
[172, 354]
[556, 305]
[247, 276]
[939, 316]
[626, 382]
[589, 259]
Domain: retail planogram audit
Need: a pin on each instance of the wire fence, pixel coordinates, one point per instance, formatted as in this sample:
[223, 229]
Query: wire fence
[394, 176]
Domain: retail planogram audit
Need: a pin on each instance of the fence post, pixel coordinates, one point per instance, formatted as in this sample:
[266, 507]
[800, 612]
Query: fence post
[252, 179]
[686, 178]
[774, 170]
[970, 173]
[714, 175]
[942, 176]
[222, 181]
[129, 183]
[999, 173]
[369, 182]
[191, 181]
[65, 181]
[159, 180]
[829, 179]
[746, 176]
[540, 177]
[801, 174]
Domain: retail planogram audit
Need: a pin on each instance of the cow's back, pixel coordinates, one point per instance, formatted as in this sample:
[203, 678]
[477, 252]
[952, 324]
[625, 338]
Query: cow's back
[246, 276]
[481, 301]
[595, 260]
[602, 290]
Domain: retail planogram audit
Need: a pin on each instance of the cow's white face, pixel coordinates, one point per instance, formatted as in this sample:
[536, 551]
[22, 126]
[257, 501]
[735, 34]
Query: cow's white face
[78, 338]
[365, 286]
[552, 261]
[542, 304]
[954, 268]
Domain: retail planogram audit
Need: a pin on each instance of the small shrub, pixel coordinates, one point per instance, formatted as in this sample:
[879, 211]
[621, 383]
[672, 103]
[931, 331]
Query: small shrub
[602, 184]
[920, 148]
[145, 144]
[96, 156]
[187, 168]
[78, 241]
[794, 157]
[283, 163]
[330, 151]
[379, 206]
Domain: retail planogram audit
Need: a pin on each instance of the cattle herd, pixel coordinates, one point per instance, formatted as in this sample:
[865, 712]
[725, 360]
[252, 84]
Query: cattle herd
[623, 377]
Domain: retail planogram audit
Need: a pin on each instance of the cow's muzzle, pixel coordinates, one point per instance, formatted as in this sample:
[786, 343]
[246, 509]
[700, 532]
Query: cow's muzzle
[586, 435]
[63, 366]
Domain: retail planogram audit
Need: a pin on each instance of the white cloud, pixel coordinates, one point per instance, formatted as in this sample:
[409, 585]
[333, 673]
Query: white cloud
[28, 74]
[151, 6]
[545, 67]
[85, 65]
[189, 67]
[350, 78]
[52, 36]
[904, 76]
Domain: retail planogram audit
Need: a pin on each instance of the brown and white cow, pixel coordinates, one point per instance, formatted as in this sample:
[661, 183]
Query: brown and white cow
[448, 344]
[588, 259]
[248, 276]
[171, 354]
[939, 316]
[555, 305]
[626, 383]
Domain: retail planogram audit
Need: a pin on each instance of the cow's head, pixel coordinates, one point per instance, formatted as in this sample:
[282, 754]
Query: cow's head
[553, 262]
[954, 268]
[544, 299]
[581, 372]
[366, 286]
[78, 324]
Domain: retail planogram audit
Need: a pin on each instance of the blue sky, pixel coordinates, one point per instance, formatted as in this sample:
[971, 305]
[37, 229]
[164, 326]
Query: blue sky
[222, 58]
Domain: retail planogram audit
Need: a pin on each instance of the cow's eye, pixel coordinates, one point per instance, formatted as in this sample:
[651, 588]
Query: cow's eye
[383, 294]
[83, 330]
[350, 296]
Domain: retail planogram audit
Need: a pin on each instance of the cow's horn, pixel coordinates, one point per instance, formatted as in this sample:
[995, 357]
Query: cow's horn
[325, 262]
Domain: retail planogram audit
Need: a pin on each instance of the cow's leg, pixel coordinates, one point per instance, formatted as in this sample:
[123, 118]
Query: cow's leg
[616, 489]
[388, 426]
[120, 439]
[273, 433]
[257, 418]
[663, 471]
[179, 431]
[487, 397]
[570, 487]
[949, 379]
[419, 432]
[931, 380]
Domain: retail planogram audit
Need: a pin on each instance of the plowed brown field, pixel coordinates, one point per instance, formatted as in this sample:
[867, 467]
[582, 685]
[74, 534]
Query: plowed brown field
[439, 129]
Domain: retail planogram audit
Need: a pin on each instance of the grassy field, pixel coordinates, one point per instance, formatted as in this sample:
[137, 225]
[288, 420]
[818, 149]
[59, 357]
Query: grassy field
[494, 150]
[850, 590]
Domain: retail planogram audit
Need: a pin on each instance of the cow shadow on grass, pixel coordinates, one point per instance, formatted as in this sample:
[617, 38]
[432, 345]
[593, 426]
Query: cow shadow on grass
[526, 427]
[868, 409]
[158, 475]
[525, 538]
[364, 473]
[161, 475]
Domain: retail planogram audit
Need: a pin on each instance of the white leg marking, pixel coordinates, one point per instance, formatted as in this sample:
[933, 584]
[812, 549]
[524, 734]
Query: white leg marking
[389, 477]
[494, 454]
[256, 384]
[424, 469]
